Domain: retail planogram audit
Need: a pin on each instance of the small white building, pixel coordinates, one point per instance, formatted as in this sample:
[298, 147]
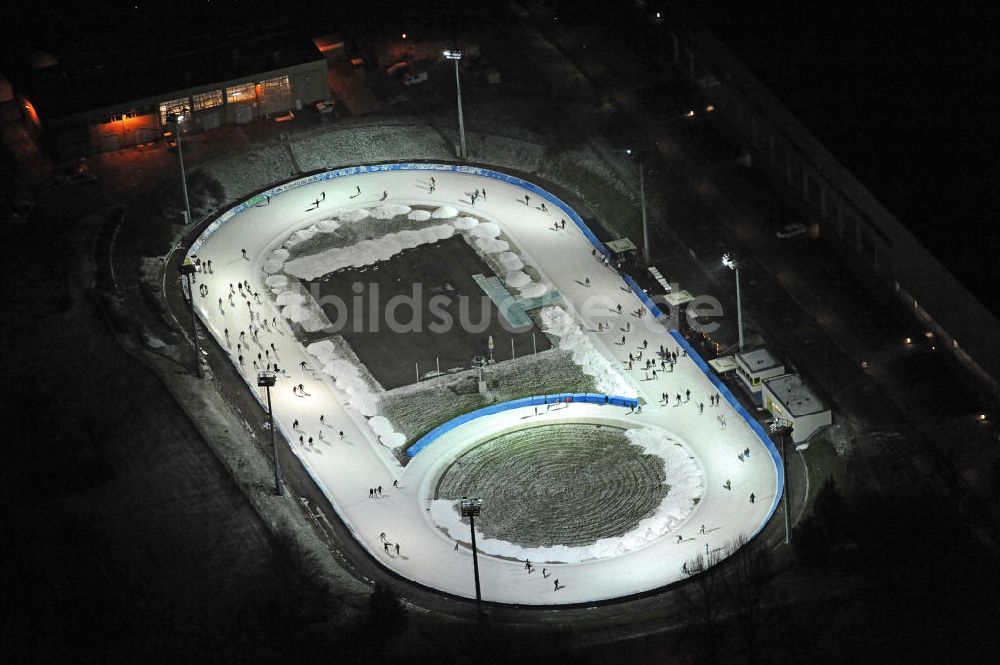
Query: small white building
[755, 367]
[788, 398]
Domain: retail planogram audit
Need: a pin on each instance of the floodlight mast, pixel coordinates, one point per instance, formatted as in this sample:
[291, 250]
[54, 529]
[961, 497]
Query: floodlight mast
[455, 56]
[471, 509]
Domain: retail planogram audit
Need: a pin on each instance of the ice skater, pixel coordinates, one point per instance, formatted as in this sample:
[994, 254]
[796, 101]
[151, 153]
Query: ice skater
[385, 195]
[245, 254]
[555, 585]
[543, 208]
[752, 497]
[397, 549]
[484, 193]
[526, 200]
[322, 196]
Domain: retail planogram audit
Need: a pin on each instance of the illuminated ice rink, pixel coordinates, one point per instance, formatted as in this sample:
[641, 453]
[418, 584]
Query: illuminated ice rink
[701, 451]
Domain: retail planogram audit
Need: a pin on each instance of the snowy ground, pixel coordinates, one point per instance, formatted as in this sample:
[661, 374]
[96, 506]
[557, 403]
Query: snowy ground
[347, 467]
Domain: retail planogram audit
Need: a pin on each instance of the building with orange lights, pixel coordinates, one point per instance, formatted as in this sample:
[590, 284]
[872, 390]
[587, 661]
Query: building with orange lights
[94, 104]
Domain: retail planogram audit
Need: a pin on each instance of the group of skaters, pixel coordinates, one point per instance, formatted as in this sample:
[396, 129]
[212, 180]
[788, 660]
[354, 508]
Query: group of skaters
[387, 546]
[528, 566]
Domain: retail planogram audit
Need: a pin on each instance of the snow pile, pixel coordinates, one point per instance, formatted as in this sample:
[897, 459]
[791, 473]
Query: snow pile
[683, 476]
[534, 290]
[510, 261]
[327, 226]
[353, 216]
[346, 377]
[465, 223]
[485, 230]
[277, 282]
[517, 278]
[607, 377]
[445, 212]
[280, 254]
[419, 215]
[366, 252]
[492, 245]
[301, 236]
[273, 265]
[389, 210]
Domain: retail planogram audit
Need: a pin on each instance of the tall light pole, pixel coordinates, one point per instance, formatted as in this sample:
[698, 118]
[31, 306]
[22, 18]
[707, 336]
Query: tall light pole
[266, 380]
[455, 55]
[642, 203]
[471, 509]
[733, 264]
[783, 429]
[188, 269]
[178, 119]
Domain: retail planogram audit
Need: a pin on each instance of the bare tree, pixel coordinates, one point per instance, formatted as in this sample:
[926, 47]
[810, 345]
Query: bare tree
[703, 599]
[747, 574]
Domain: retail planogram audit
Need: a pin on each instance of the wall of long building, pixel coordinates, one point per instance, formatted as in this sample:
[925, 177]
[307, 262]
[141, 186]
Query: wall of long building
[210, 106]
[849, 215]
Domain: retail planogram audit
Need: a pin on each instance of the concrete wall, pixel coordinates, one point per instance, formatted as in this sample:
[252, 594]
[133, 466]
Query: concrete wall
[882, 249]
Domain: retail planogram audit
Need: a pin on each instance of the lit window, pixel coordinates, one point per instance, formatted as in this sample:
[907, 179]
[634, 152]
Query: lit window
[278, 87]
[241, 93]
[207, 100]
[172, 107]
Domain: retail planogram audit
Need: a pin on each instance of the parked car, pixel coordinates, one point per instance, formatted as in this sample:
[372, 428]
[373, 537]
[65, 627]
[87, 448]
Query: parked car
[324, 107]
[791, 230]
[285, 117]
[415, 77]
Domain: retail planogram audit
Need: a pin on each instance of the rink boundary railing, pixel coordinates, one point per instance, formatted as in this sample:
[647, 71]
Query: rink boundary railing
[723, 389]
[538, 400]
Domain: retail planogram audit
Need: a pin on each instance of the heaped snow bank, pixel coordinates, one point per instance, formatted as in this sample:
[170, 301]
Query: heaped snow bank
[385, 432]
[365, 252]
[683, 476]
[346, 377]
[607, 377]
[389, 210]
[295, 306]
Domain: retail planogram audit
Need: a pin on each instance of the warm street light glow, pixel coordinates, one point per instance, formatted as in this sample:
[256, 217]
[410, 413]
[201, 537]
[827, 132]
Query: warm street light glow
[709, 108]
[404, 35]
[689, 114]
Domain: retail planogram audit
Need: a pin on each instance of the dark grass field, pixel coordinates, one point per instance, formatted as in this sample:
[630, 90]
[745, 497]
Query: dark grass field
[442, 274]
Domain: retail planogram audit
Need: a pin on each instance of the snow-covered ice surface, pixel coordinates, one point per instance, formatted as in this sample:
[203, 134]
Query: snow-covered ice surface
[335, 388]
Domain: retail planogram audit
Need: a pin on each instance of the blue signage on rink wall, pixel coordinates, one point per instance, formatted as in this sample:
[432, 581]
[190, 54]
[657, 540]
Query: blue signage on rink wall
[540, 400]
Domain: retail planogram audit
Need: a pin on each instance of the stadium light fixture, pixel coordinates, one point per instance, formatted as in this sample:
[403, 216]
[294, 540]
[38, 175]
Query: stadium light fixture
[455, 56]
[266, 380]
[733, 264]
[471, 507]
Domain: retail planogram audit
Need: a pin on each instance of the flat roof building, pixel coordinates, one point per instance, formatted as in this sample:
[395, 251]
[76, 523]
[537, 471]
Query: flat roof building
[99, 102]
[789, 398]
[754, 367]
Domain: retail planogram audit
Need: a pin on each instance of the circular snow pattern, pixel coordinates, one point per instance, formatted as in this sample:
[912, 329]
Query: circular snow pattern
[276, 281]
[565, 484]
[281, 254]
[291, 298]
[327, 226]
[393, 439]
[301, 236]
[419, 215]
[445, 212]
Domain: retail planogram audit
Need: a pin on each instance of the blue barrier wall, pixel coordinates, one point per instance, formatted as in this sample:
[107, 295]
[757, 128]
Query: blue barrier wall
[538, 400]
[751, 421]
